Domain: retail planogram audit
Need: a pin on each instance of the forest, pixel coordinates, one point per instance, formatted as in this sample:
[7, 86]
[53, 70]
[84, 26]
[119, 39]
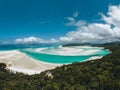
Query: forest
[100, 74]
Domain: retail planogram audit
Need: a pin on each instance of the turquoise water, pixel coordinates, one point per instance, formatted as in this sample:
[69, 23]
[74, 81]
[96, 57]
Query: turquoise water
[20, 46]
[61, 59]
[56, 58]
[55, 54]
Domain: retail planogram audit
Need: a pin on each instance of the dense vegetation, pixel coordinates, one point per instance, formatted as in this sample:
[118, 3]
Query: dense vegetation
[103, 74]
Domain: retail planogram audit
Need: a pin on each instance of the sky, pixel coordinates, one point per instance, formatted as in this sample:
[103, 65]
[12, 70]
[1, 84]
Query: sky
[51, 21]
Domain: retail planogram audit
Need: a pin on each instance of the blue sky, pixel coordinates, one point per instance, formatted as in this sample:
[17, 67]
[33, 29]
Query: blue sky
[46, 18]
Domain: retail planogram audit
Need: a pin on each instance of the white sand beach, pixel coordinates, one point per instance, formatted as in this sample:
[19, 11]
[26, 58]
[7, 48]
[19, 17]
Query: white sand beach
[69, 51]
[19, 62]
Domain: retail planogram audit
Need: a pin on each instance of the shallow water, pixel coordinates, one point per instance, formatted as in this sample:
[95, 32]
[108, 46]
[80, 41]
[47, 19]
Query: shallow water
[58, 55]
[64, 55]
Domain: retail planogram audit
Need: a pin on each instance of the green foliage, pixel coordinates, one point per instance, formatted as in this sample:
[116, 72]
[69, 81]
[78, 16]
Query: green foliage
[102, 74]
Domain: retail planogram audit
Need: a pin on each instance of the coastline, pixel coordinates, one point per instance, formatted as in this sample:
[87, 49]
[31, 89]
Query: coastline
[70, 51]
[17, 61]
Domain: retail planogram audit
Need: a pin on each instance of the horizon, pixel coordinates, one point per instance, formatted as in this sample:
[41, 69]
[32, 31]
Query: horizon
[45, 22]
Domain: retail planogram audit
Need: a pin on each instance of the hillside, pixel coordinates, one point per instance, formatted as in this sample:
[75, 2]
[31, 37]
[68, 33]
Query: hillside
[102, 74]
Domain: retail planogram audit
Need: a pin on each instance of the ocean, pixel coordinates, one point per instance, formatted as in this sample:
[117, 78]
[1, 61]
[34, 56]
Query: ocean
[57, 54]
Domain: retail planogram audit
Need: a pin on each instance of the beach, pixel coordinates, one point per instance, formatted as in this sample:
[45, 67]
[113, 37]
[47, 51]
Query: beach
[70, 51]
[19, 62]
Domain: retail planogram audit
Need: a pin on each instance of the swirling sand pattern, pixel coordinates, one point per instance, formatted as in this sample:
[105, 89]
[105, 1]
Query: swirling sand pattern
[63, 55]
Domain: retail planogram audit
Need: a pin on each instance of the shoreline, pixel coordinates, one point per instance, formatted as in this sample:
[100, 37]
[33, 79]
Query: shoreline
[70, 51]
[17, 61]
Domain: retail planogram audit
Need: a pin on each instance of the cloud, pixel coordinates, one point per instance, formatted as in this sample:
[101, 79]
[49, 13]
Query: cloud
[113, 16]
[34, 40]
[109, 31]
[75, 14]
[73, 22]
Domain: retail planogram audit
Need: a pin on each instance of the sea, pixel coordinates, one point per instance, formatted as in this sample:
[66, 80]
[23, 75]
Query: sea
[57, 54]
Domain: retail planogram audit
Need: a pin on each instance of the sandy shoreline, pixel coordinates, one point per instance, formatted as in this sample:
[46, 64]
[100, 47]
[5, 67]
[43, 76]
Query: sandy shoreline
[22, 63]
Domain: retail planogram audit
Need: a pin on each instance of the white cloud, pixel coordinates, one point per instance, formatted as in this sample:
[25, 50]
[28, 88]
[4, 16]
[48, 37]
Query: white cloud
[113, 16]
[75, 14]
[109, 31]
[96, 32]
[34, 40]
[74, 22]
